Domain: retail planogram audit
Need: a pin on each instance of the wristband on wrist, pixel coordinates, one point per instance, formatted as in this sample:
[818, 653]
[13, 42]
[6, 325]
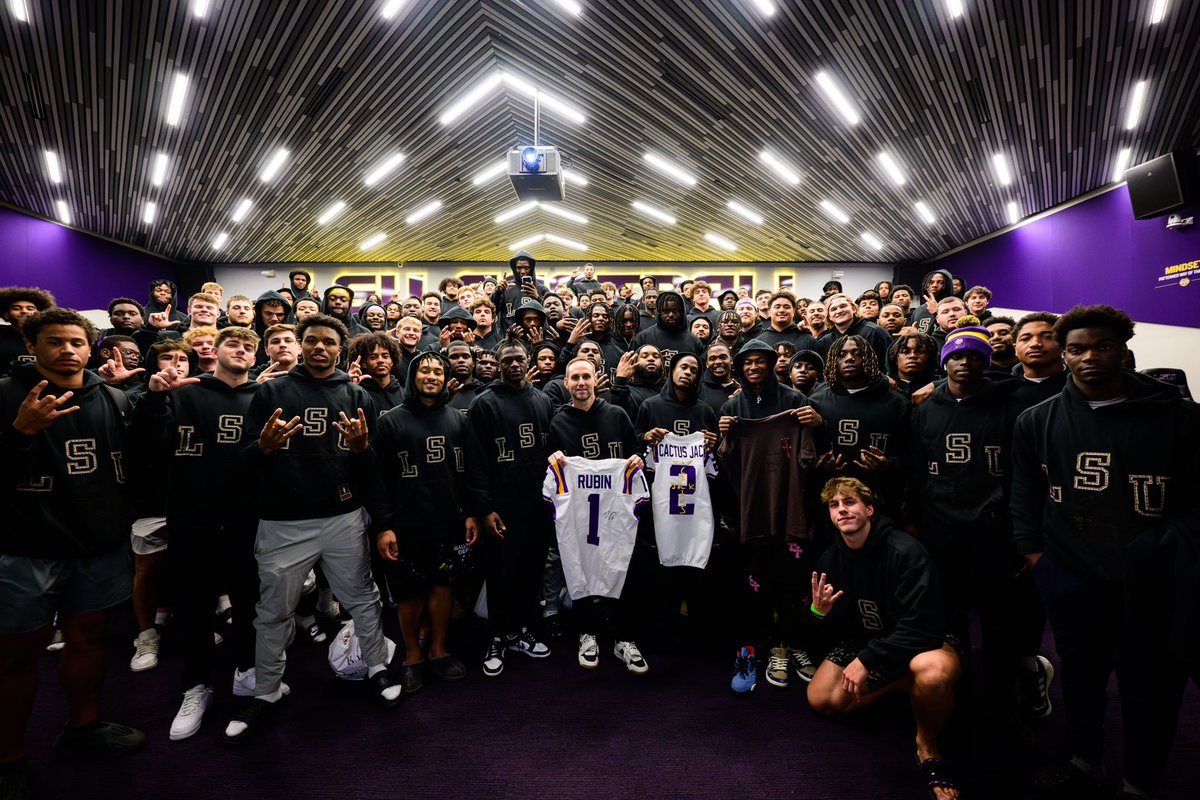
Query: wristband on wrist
[813, 609]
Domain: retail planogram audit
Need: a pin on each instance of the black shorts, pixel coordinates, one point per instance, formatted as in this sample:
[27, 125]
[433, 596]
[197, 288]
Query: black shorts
[421, 566]
[36, 588]
[847, 650]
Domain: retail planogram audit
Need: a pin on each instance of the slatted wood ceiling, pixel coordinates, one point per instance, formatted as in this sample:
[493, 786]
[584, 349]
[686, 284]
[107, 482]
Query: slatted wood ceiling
[708, 83]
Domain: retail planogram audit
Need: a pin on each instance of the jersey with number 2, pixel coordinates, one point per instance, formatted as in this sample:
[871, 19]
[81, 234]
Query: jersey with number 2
[596, 503]
[683, 514]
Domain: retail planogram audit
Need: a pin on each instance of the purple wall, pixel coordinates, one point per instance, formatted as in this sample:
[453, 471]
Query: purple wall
[1093, 252]
[81, 271]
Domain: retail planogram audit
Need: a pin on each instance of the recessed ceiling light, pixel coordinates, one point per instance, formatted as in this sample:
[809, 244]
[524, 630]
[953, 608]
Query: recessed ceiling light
[872, 240]
[574, 177]
[1014, 212]
[767, 7]
[371, 241]
[518, 210]
[892, 168]
[571, 6]
[423, 212]
[179, 88]
[53, 169]
[149, 212]
[521, 245]
[781, 169]
[242, 209]
[834, 211]
[565, 242]
[954, 8]
[559, 211]
[666, 167]
[19, 10]
[200, 7]
[332, 212]
[220, 242]
[64, 213]
[653, 213]
[839, 99]
[390, 7]
[1136, 101]
[494, 171]
[720, 241]
[158, 171]
[546, 100]
[925, 212]
[274, 165]
[745, 212]
[464, 103]
[1158, 11]
[1122, 164]
[1003, 170]
[381, 170]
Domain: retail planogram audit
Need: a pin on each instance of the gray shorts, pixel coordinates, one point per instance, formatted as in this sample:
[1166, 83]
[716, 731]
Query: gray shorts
[33, 589]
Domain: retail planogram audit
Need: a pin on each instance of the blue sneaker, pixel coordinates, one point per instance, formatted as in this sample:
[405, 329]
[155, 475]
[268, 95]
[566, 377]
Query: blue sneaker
[745, 674]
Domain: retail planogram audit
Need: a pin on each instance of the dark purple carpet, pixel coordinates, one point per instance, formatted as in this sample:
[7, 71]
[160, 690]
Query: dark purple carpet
[543, 729]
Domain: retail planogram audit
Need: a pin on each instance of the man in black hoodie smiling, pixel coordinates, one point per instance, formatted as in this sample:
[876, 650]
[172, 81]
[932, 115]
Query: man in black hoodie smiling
[717, 384]
[336, 304]
[670, 334]
[638, 377]
[935, 287]
[844, 320]
[373, 360]
[299, 441]
[420, 449]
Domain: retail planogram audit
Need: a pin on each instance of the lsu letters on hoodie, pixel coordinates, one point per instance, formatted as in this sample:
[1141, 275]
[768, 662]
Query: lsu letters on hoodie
[603, 431]
[1088, 481]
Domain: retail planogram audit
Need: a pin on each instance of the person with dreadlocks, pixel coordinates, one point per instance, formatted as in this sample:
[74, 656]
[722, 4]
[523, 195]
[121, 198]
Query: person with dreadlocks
[865, 434]
[913, 362]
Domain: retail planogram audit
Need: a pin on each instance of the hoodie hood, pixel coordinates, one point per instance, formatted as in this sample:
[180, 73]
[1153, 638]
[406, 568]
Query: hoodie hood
[524, 254]
[528, 304]
[460, 313]
[331, 290]
[260, 327]
[949, 290]
[668, 389]
[153, 306]
[411, 400]
[305, 273]
[755, 346]
[663, 299]
[362, 315]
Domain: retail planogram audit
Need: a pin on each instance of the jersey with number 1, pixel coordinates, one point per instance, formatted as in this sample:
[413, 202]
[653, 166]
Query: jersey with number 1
[596, 503]
[683, 513]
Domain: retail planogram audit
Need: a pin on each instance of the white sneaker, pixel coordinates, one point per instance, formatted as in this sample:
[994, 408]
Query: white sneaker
[145, 654]
[56, 642]
[191, 713]
[244, 683]
[629, 653]
[589, 651]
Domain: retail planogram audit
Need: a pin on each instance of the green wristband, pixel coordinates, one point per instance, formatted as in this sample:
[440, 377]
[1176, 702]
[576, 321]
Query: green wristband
[813, 609]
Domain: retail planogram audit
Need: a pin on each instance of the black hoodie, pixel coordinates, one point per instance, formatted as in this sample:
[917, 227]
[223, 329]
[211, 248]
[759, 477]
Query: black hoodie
[352, 325]
[331, 478]
[295, 294]
[773, 399]
[385, 398]
[714, 392]
[153, 306]
[665, 410]
[879, 339]
[921, 319]
[420, 452]
[192, 434]
[892, 597]
[670, 339]
[506, 301]
[13, 350]
[1087, 482]
[603, 431]
[507, 431]
[64, 491]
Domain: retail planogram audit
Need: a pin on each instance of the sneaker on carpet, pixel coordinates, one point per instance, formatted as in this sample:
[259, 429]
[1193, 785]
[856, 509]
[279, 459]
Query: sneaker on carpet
[145, 651]
[802, 664]
[776, 672]
[493, 660]
[388, 692]
[553, 627]
[315, 634]
[632, 656]
[248, 721]
[97, 740]
[57, 642]
[525, 642]
[1035, 689]
[447, 668]
[191, 712]
[589, 651]
[245, 683]
[410, 677]
[745, 672]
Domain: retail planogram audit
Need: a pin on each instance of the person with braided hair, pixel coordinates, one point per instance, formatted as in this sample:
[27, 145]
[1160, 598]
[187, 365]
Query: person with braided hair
[844, 320]
[865, 433]
[912, 362]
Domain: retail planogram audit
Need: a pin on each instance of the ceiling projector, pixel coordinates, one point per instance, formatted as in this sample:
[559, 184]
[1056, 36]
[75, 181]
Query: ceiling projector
[536, 172]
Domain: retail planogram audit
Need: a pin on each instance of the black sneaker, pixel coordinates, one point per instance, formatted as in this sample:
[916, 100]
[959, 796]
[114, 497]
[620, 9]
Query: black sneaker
[98, 740]
[525, 642]
[1035, 689]
[388, 692]
[493, 660]
[553, 628]
[246, 722]
[447, 668]
[410, 676]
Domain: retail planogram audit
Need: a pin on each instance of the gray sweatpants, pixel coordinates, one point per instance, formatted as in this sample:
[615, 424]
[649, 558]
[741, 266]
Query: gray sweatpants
[286, 551]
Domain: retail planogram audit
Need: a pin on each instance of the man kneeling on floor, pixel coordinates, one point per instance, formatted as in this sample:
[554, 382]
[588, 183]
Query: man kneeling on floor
[877, 595]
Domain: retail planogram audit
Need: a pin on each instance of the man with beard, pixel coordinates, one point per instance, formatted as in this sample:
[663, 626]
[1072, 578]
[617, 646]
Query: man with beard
[487, 367]
[239, 310]
[411, 307]
[639, 376]
[844, 321]
[717, 384]
[419, 447]
[456, 325]
[299, 287]
[958, 286]
[728, 331]
[487, 335]
[670, 334]
[649, 309]
[892, 319]
[902, 295]
[461, 383]
[373, 357]
[783, 327]
[627, 321]
[336, 304]
[585, 284]
[750, 323]
[127, 318]
[678, 408]
[817, 318]
[598, 328]
[935, 287]
[507, 430]
[1004, 355]
[295, 421]
[523, 284]
[306, 307]
[913, 359]
[164, 298]
[807, 370]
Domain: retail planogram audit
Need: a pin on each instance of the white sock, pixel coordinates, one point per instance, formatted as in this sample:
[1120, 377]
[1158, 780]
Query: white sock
[223, 603]
[1088, 768]
[161, 617]
[1133, 790]
[273, 697]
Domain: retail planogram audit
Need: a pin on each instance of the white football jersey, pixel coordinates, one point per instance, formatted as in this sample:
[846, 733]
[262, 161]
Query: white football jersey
[595, 516]
[683, 514]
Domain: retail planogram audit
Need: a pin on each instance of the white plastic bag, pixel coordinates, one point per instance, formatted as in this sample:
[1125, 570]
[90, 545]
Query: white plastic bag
[345, 654]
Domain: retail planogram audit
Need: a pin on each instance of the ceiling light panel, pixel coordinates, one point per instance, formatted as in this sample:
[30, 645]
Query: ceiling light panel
[1014, 212]
[780, 168]
[1121, 165]
[383, 169]
[872, 240]
[274, 165]
[767, 7]
[53, 168]
[834, 211]
[521, 245]
[653, 212]
[179, 89]
[331, 212]
[720, 241]
[838, 98]
[158, 169]
[559, 211]
[1158, 11]
[571, 176]
[925, 212]
[149, 212]
[520, 209]
[892, 167]
[667, 168]
[242, 209]
[200, 8]
[565, 242]
[424, 211]
[371, 241]
[491, 173]
[473, 96]
[19, 10]
[1002, 169]
[745, 212]
[570, 6]
[954, 8]
[64, 213]
[390, 8]
[1137, 100]
[220, 241]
